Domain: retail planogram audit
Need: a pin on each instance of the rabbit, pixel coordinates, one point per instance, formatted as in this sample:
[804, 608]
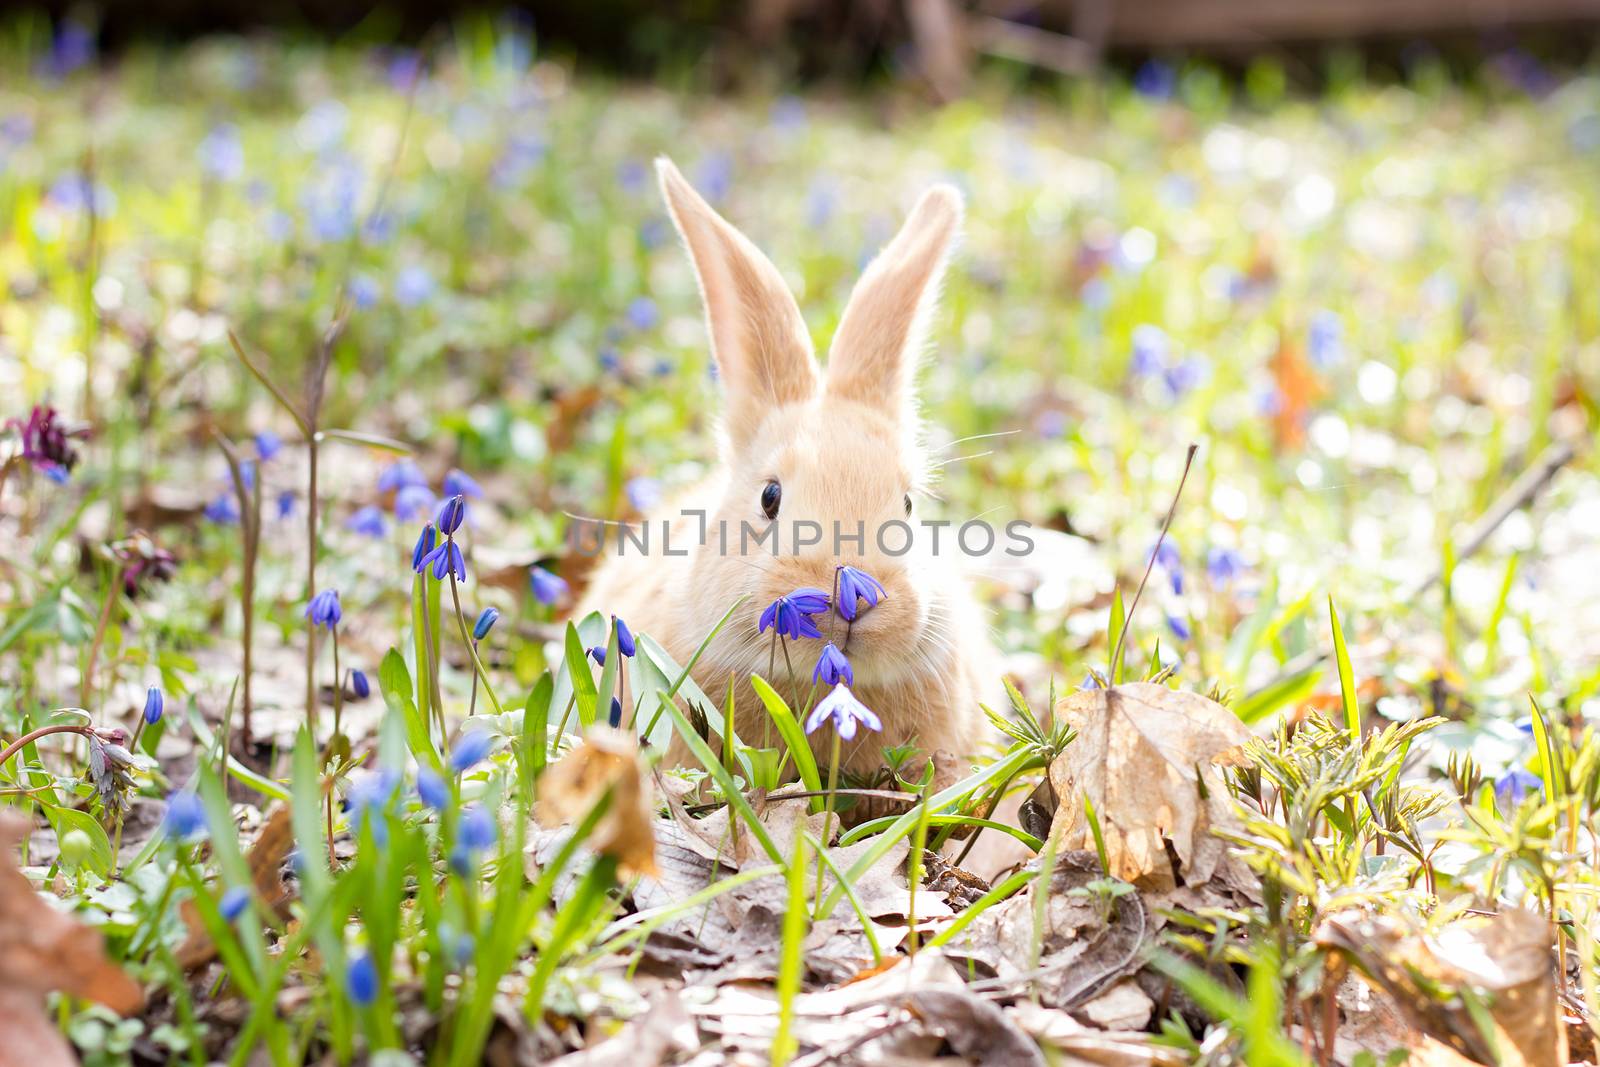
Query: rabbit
[797, 443]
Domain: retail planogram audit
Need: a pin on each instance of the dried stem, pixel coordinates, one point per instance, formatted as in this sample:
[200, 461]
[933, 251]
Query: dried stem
[1127, 620]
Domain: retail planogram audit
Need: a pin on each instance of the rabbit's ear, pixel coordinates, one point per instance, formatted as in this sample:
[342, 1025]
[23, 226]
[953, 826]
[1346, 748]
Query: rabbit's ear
[884, 325]
[760, 342]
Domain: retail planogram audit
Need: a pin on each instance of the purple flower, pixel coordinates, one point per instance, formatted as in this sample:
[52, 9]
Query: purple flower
[642, 313]
[714, 176]
[221, 154]
[445, 559]
[643, 493]
[412, 501]
[433, 790]
[1179, 627]
[470, 749]
[1183, 376]
[625, 643]
[1224, 565]
[1150, 347]
[399, 474]
[459, 483]
[450, 515]
[223, 509]
[368, 521]
[547, 588]
[233, 902]
[598, 654]
[359, 685]
[616, 714]
[424, 548]
[478, 828]
[791, 615]
[185, 819]
[268, 445]
[1512, 786]
[1155, 79]
[846, 712]
[832, 667]
[324, 609]
[154, 703]
[369, 801]
[856, 585]
[73, 47]
[1166, 557]
[365, 291]
[486, 620]
[361, 980]
[1325, 339]
[285, 504]
[413, 285]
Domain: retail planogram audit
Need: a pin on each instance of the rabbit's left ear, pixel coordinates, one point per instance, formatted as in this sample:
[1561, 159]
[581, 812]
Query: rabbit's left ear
[885, 323]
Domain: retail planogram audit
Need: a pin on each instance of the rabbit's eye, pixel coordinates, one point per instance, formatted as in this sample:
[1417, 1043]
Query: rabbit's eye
[771, 497]
[908, 505]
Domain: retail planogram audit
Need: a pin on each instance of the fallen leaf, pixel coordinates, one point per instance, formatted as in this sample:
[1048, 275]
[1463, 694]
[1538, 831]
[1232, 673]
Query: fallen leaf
[1503, 960]
[1122, 1007]
[266, 858]
[606, 759]
[1146, 757]
[1078, 1045]
[43, 950]
[974, 1027]
[652, 1038]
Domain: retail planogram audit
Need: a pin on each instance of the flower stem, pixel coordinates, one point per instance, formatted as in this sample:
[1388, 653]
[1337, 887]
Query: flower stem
[28, 738]
[338, 684]
[472, 647]
[827, 818]
[311, 585]
[99, 638]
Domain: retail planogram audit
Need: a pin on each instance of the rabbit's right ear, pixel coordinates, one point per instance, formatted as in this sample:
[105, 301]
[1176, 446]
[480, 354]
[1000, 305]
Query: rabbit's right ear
[758, 338]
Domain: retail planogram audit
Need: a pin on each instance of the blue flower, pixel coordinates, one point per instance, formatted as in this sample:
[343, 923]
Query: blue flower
[359, 685]
[223, 509]
[268, 445]
[185, 819]
[233, 902]
[247, 474]
[369, 800]
[486, 620]
[361, 980]
[470, 749]
[846, 712]
[1167, 558]
[1184, 376]
[791, 615]
[616, 714]
[1155, 79]
[154, 702]
[424, 548]
[285, 504]
[459, 483]
[856, 585]
[625, 643]
[832, 667]
[642, 313]
[598, 654]
[433, 789]
[221, 154]
[1325, 339]
[413, 285]
[1179, 627]
[1512, 786]
[1224, 565]
[324, 609]
[411, 501]
[365, 292]
[1088, 682]
[643, 493]
[368, 521]
[445, 559]
[1149, 350]
[479, 831]
[450, 515]
[547, 588]
[399, 474]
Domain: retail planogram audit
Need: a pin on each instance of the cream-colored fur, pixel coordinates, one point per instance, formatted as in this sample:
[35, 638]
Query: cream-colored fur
[844, 447]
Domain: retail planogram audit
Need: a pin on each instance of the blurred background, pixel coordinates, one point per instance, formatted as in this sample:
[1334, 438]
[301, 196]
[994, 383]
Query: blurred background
[1351, 248]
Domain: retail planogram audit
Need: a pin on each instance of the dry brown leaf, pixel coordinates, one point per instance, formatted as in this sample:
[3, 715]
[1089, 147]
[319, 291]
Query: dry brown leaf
[1122, 1007]
[605, 759]
[1077, 1045]
[1505, 960]
[44, 950]
[1140, 751]
[266, 858]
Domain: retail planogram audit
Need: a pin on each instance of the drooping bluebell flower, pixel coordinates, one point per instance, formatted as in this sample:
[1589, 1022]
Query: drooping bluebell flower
[359, 685]
[324, 609]
[1325, 339]
[1179, 627]
[369, 800]
[413, 285]
[598, 654]
[791, 615]
[1223, 565]
[285, 504]
[625, 642]
[459, 483]
[1150, 346]
[154, 702]
[832, 668]
[548, 588]
[368, 521]
[445, 559]
[642, 313]
[856, 585]
[450, 514]
[433, 789]
[424, 548]
[1512, 786]
[615, 718]
[486, 620]
[268, 445]
[221, 153]
[471, 748]
[845, 710]
[185, 819]
[233, 902]
[361, 980]
[1167, 558]
[399, 474]
[411, 501]
[224, 509]
[643, 493]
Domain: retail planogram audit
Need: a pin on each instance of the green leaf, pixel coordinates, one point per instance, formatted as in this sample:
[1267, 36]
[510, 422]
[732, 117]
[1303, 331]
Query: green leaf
[394, 681]
[64, 820]
[730, 789]
[535, 745]
[583, 688]
[1285, 692]
[1114, 627]
[805, 760]
[1551, 772]
[1347, 678]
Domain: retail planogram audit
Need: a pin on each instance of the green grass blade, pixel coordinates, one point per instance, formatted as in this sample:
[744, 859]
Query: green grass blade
[1347, 677]
[789, 729]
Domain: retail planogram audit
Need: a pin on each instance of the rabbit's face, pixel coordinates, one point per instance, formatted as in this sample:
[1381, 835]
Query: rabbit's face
[826, 463]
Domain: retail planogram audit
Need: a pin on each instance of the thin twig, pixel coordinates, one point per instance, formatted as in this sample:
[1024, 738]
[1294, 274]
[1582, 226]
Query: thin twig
[1127, 620]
